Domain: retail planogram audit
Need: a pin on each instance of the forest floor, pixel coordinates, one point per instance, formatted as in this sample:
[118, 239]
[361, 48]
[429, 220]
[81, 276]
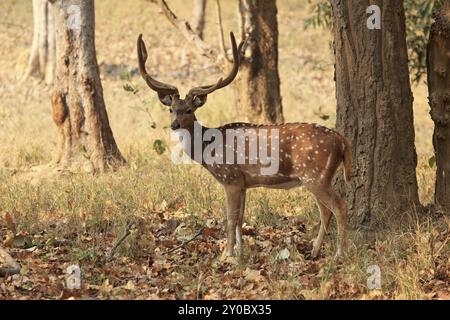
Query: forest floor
[76, 219]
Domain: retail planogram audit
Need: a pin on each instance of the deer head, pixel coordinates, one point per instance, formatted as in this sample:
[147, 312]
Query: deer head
[182, 110]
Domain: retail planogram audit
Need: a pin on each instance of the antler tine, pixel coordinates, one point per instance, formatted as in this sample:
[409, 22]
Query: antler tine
[204, 90]
[161, 88]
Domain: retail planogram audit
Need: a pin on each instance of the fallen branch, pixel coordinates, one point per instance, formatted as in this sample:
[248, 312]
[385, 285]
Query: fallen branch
[14, 267]
[119, 241]
[185, 243]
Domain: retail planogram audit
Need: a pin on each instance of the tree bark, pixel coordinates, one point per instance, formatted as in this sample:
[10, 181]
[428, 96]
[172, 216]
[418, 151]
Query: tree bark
[198, 17]
[86, 140]
[257, 87]
[374, 108]
[42, 58]
[438, 65]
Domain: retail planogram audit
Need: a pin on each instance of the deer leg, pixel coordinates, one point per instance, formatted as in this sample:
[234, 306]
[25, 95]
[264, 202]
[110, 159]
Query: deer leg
[233, 211]
[333, 202]
[325, 217]
[239, 224]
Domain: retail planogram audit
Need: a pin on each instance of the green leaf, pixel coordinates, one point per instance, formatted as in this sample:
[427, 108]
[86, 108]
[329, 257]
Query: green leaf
[432, 162]
[127, 87]
[159, 146]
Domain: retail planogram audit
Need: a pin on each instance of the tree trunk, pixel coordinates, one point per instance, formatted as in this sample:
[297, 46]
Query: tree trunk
[86, 140]
[374, 108]
[438, 61]
[257, 87]
[198, 17]
[42, 58]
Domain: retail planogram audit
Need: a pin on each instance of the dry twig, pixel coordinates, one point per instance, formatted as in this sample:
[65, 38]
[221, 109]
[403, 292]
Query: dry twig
[119, 241]
[186, 242]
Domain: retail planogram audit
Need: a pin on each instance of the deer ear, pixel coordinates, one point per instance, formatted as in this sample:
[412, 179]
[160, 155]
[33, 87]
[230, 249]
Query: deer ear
[199, 101]
[165, 99]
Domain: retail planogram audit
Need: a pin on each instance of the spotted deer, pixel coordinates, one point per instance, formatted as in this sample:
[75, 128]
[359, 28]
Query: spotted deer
[306, 154]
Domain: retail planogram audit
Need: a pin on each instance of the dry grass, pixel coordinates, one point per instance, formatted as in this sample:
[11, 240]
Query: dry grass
[91, 212]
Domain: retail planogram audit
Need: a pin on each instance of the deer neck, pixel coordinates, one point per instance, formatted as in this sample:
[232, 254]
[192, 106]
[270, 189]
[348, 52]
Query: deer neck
[195, 146]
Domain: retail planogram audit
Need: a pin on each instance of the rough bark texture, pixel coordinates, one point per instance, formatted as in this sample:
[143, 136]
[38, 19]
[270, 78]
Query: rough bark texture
[257, 87]
[198, 17]
[86, 139]
[374, 108]
[439, 98]
[43, 50]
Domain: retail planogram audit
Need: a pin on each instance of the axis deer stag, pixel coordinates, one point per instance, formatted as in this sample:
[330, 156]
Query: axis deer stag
[306, 154]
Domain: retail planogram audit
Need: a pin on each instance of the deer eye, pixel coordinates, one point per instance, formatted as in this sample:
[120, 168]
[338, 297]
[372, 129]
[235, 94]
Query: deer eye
[189, 112]
[170, 110]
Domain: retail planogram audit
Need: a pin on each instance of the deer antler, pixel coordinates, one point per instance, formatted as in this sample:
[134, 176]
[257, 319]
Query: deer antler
[162, 88]
[205, 90]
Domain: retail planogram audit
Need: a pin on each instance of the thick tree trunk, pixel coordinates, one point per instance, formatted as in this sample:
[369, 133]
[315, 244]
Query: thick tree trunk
[374, 108]
[439, 97]
[257, 87]
[42, 58]
[198, 17]
[86, 139]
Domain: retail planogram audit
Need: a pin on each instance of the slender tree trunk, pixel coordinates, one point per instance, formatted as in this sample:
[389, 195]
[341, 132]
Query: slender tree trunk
[374, 108]
[438, 57]
[198, 17]
[42, 58]
[257, 87]
[86, 139]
